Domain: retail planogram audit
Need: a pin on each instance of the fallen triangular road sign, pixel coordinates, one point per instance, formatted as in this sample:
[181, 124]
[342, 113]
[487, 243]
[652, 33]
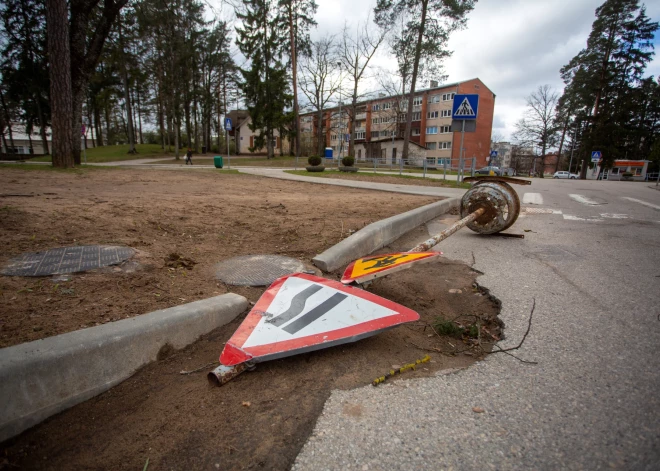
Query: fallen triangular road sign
[301, 313]
[375, 266]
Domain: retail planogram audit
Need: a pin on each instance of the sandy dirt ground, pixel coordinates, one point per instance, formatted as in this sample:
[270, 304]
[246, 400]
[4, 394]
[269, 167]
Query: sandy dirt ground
[178, 421]
[182, 224]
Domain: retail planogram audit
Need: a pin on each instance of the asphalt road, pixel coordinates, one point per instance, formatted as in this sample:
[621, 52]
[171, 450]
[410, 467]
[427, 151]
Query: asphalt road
[592, 265]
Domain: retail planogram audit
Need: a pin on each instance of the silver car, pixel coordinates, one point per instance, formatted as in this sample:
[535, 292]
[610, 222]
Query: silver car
[564, 174]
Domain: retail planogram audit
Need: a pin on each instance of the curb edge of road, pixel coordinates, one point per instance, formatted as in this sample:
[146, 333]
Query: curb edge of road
[41, 378]
[379, 234]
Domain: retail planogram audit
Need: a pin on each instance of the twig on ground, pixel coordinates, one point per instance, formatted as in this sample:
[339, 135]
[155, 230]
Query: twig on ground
[529, 327]
[208, 365]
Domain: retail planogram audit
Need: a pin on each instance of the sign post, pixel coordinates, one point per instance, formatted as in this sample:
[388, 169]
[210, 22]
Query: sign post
[465, 108]
[227, 129]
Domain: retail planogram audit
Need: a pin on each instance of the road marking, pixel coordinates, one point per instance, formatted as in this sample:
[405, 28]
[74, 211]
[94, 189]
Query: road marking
[569, 217]
[584, 200]
[614, 216]
[532, 198]
[654, 206]
[528, 210]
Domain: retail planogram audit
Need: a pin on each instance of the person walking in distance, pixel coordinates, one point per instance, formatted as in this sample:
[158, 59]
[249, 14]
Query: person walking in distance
[189, 156]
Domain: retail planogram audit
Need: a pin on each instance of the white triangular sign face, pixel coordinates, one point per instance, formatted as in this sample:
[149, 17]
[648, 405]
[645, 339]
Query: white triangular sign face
[301, 313]
[464, 109]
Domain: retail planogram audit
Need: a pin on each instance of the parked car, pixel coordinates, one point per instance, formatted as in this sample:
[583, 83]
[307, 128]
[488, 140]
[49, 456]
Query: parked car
[564, 174]
[486, 171]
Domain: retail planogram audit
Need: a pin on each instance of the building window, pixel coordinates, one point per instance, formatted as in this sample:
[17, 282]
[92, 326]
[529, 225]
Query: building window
[402, 117]
[387, 106]
[375, 108]
[448, 96]
[442, 161]
[360, 135]
[432, 130]
[415, 132]
[446, 113]
[434, 98]
[333, 137]
[444, 145]
[403, 105]
[392, 119]
[417, 101]
[375, 134]
[432, 114]
[431, 145]
[374, 120]
[417, 116]
[445, 129]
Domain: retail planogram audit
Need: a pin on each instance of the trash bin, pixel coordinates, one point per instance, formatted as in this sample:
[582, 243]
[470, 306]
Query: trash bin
[203, 149]
[217, 161]
[328, 152]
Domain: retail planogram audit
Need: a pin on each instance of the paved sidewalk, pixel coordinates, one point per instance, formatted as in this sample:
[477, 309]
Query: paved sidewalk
[403, 188]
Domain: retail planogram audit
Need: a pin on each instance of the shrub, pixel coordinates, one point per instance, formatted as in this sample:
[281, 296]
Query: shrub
[348, 161]
[314, 160]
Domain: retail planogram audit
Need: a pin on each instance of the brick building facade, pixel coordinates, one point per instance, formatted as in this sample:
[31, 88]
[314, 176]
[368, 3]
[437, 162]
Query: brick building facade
[385, 117]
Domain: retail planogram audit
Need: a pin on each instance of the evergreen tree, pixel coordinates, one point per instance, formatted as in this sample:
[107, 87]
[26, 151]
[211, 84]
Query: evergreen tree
[430, 22]
[265, 83]
[296, 18]
[602, 81]
[26, 87]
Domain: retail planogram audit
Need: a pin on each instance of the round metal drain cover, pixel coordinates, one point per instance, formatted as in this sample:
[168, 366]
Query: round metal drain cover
[256, 270]
[67, 260]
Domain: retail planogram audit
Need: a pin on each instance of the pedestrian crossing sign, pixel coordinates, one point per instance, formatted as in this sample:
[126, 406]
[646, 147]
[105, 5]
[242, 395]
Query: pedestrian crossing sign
[465, 106]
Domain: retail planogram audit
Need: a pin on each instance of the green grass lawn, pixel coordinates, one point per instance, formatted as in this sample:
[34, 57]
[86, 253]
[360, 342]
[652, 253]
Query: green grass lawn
[119, 153]
[356, 176]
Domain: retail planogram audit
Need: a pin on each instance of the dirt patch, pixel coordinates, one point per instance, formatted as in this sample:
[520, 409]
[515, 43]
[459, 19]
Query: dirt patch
[181, 223]
[262, 418]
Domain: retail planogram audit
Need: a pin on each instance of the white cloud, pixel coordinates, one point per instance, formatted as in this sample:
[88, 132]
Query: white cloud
[513, 46]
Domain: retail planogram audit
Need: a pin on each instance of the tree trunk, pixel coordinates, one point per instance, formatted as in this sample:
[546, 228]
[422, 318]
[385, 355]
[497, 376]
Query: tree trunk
[8, 119]
[98, 129]
[42, 127]
[294, 74]
[320, 144]
[137, 90]
[561, 145]
[177, 137]
[127, 96]
[413, 80]
[60, 82]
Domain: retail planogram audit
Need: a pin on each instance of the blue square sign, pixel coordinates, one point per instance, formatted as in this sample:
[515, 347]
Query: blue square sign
[596, 155]
[465, 106]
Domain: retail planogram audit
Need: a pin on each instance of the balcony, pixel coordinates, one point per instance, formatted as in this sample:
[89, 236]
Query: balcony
[359, 116]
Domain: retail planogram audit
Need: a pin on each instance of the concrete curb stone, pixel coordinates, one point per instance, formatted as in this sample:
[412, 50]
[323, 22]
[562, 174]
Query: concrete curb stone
[379, 234]
[41, 378]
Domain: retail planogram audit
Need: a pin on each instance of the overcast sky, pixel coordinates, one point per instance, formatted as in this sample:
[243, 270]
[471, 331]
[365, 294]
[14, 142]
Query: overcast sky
[513, 46]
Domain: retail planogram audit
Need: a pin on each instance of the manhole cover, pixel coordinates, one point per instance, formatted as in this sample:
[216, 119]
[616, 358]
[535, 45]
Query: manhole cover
[66, 260]
[256, 270]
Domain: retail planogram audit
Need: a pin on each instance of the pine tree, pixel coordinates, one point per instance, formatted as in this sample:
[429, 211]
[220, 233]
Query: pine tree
[296, 18]
[430, 22]
[265, 83]
[602, 80]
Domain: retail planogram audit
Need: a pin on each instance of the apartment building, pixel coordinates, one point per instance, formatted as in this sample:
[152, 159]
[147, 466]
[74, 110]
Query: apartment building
[385, 117]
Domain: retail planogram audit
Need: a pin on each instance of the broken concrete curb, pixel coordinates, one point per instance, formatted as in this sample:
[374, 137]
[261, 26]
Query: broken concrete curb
[44, 377]
[379, 234]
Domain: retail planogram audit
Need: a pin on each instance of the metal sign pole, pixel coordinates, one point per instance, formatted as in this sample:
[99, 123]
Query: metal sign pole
[460, 154]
